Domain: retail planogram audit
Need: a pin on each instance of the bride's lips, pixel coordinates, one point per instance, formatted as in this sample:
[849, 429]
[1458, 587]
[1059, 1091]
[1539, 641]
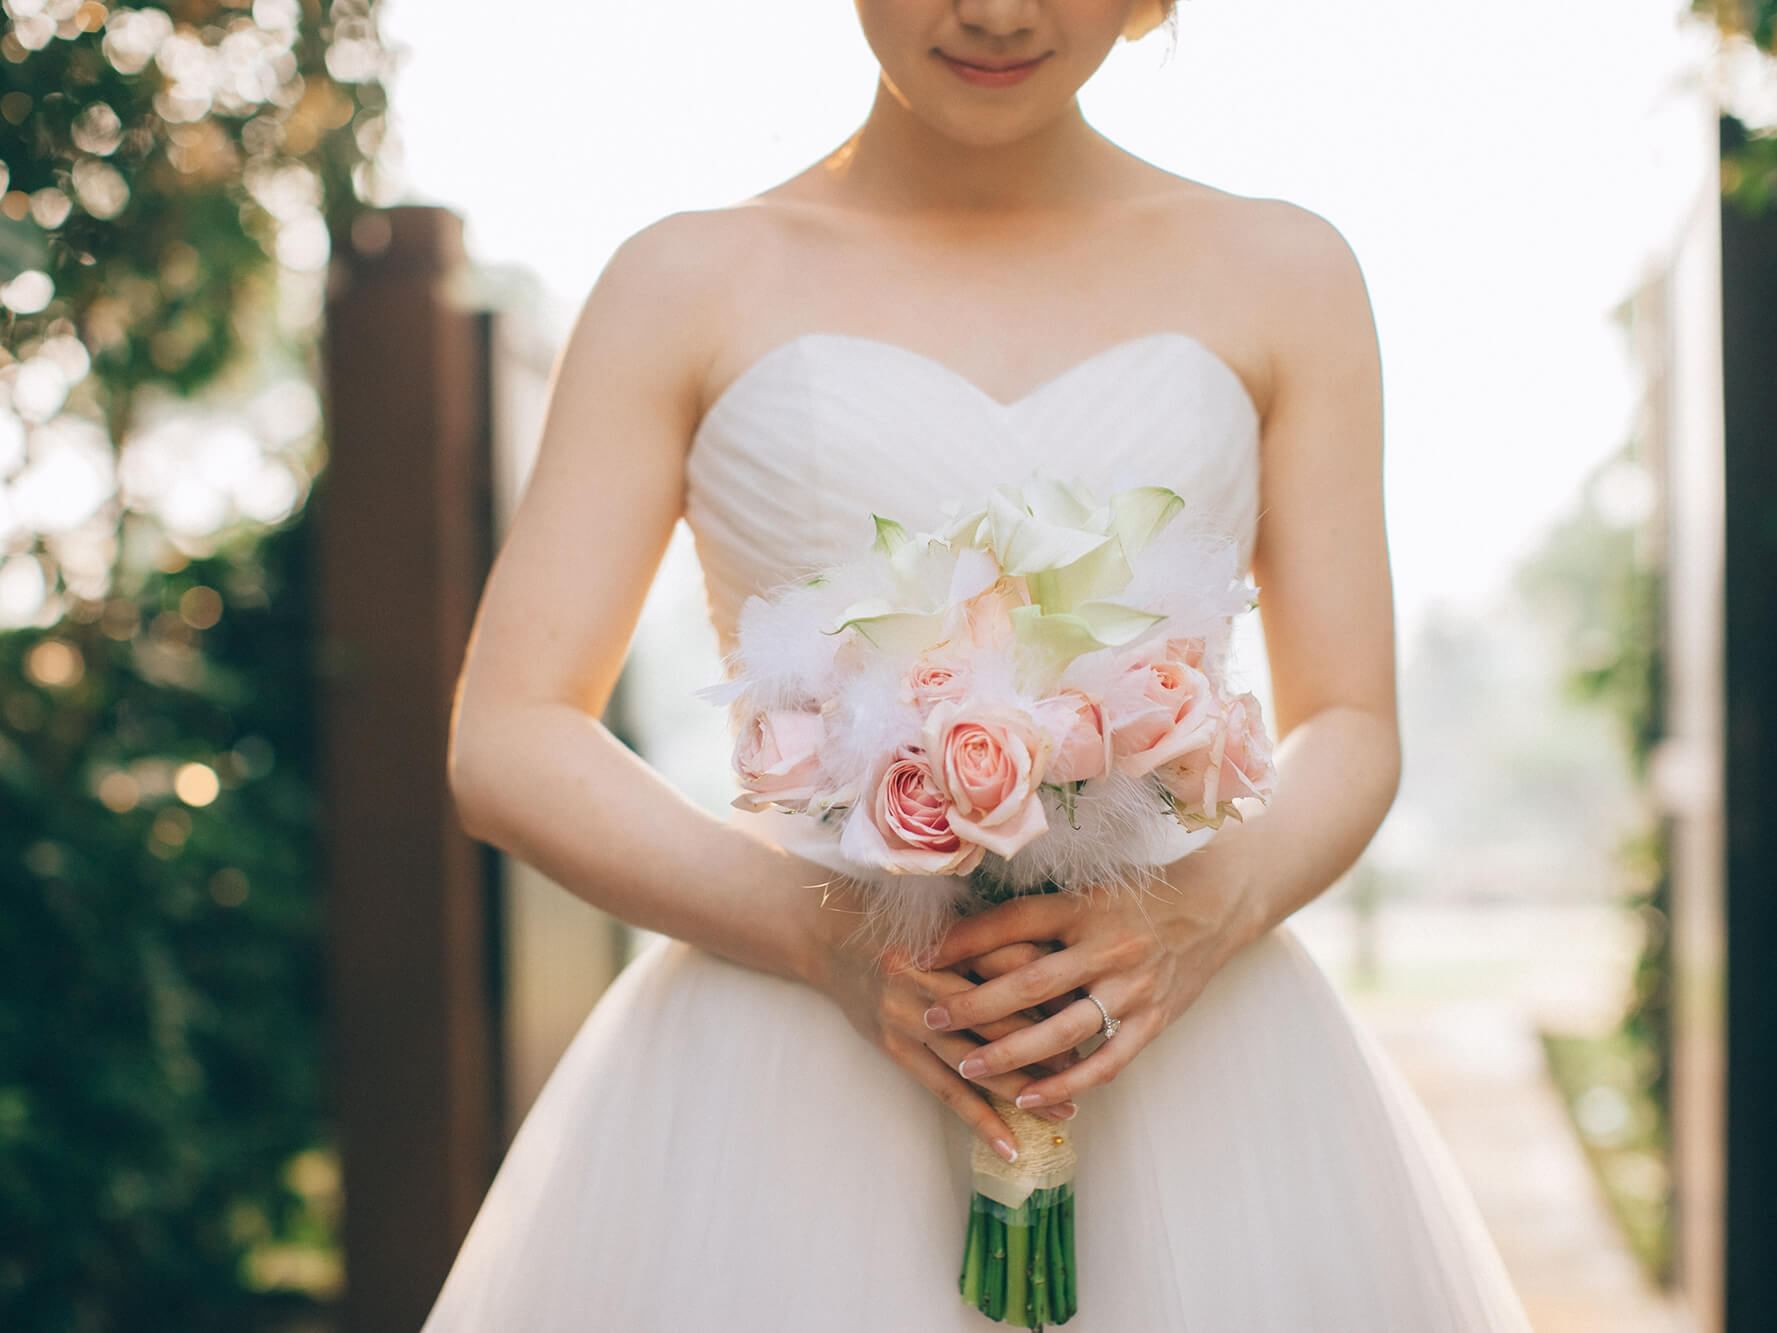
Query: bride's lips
[991, 74]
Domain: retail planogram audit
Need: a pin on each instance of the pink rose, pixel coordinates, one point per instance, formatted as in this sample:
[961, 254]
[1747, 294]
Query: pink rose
[987, 616]
[1075, 724]
[990, 763]
[1160, 711]
[777, 757]
[904, 825]
[933, 678]
[1238, 763]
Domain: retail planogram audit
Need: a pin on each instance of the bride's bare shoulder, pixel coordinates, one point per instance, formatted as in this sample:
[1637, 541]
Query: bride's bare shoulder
[1257, 235]
[1285, 279]
[690, 257]
[658, 308]
[1307, 286]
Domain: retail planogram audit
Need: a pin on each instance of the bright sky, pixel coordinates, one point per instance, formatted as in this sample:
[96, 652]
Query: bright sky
[1503, 171]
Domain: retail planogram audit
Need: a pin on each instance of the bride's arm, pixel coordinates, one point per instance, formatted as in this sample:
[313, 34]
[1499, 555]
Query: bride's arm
[534, 771]
[1321, 562]
[532, 768]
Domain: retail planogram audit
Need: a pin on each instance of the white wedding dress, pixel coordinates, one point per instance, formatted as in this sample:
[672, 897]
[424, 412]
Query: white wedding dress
[720, 1149]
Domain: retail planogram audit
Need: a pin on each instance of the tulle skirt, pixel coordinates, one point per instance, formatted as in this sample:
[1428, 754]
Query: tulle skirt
[719, 1148]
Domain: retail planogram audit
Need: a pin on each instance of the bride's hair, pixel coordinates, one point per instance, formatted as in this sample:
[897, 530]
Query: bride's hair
[1148, 15]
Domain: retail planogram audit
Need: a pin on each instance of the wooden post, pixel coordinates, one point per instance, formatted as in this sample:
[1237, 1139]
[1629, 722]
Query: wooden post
[403, 525]
[1749, 363]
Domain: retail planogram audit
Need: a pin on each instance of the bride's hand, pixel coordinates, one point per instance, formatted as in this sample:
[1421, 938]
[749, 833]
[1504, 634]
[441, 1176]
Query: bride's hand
[885, 999]
[1145, 955]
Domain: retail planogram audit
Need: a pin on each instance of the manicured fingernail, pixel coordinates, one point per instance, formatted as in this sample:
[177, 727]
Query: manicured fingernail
[973, 1067]
[1027, 1100]
[1005, 1149]
[1066, 1110]
[937, 1018]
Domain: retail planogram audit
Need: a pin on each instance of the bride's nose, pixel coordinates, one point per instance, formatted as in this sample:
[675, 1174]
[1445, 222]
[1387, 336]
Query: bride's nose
[1000, 17]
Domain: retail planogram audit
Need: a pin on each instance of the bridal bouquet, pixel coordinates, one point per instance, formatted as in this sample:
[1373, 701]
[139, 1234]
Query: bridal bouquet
[1022, 701]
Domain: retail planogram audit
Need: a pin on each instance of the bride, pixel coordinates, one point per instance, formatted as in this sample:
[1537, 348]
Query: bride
[756, 1128]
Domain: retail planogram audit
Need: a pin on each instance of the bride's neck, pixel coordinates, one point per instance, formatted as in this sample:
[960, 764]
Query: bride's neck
[899, 162]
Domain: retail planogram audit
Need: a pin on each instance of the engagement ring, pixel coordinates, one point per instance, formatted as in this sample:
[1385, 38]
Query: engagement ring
[1110, 1024]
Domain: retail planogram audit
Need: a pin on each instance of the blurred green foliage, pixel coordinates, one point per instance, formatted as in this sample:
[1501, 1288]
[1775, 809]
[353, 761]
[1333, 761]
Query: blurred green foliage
[160, 994]
[171, 175]
[1600, 584]
[154, 152]
[1624, 1134]
[1749, 162]
[1756, 19]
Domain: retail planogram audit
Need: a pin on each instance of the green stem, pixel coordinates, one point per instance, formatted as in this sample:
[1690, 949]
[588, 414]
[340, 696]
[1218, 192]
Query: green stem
[1018, 1274]
[1039, 1278]
[1058, 1279]
[1007, 1313]
[1067, 1254]
[996, 1284]
[972, 1252]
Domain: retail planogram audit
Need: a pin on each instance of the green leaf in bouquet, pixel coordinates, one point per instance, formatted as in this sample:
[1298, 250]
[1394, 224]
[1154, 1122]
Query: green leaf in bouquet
[890, 535]
[1068, 793]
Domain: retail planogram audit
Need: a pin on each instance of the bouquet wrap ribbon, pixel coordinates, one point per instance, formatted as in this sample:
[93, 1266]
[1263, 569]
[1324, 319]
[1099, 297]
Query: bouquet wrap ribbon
[1046, 1157]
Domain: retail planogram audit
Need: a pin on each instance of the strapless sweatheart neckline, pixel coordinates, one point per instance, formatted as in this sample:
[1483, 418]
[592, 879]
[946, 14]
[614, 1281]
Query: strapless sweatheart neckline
[719, 1148]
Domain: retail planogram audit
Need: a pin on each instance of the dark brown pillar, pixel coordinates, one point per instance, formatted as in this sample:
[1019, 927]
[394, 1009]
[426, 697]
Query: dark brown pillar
[403, 530]
[1749, 362]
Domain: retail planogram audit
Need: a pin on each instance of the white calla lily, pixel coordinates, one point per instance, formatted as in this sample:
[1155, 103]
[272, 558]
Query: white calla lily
[1026, 543]
[890, 628]
[929, 579]
[1139, 513]
[1053, 639]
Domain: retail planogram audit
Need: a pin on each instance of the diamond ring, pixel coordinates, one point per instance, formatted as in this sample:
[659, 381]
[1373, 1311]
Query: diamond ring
[1110, 1024]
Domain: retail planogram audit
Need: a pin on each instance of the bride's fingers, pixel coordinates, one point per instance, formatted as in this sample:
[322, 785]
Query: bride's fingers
[1036, 1044]
[998, 962]
[1000, 1027]
[950, 1088]
[945, 983]
[1097, 1069]
[1030, 916]
[935, 986]
[940, 985]
[953, 1050]
[1053, 1063]
[1045, 977]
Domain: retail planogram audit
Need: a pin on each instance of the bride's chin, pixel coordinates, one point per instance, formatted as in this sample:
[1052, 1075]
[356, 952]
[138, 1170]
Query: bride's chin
[967, 121]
